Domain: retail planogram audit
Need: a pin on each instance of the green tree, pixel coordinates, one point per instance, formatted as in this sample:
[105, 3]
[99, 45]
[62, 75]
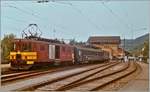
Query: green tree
[6, 47]
[145, 51]
[72, 42]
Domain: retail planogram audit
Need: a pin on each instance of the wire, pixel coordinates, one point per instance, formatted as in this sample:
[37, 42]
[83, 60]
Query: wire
[81, 13]
[32, 13]
[24, 11]
[114, 14]
[18, 20]
[36, 15]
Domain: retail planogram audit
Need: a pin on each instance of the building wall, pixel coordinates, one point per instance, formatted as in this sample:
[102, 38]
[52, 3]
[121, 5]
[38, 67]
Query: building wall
[113, 49]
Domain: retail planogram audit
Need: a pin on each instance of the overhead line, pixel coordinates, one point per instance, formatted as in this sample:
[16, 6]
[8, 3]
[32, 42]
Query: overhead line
[32, 14]
[18, 20]
[80, 12]
[114, 14]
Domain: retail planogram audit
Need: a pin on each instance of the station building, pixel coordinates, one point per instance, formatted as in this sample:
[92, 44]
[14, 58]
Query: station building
[108, 43]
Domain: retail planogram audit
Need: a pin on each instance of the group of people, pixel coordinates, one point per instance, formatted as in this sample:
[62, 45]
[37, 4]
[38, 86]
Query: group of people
[129, 58]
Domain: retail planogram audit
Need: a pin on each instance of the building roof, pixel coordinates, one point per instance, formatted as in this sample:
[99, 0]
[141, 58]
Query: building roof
[104, 40]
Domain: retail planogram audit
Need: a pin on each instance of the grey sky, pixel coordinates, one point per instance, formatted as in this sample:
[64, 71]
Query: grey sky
[77, 19]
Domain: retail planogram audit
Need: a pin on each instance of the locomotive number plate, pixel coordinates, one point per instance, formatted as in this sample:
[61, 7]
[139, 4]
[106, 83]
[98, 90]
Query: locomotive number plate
[30, 62]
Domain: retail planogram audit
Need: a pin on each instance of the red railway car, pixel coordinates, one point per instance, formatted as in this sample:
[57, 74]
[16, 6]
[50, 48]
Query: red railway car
[29, 52]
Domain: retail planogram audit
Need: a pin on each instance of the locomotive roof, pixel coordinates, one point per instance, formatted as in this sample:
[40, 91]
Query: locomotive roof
[40, 42]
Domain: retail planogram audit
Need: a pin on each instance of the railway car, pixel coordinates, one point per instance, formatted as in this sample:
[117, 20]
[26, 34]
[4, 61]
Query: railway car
[28, 53]
[89, 55]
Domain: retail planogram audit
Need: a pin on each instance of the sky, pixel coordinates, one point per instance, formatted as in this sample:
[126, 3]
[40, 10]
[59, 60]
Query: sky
[77, 19]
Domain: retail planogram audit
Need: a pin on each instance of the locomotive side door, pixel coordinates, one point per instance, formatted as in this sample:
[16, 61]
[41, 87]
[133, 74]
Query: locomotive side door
[51, 51]
[57, 52]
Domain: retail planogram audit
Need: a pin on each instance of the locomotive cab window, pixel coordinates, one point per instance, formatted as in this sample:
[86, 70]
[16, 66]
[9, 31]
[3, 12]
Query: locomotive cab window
[14, 47]
[26, 47]
[22, 46]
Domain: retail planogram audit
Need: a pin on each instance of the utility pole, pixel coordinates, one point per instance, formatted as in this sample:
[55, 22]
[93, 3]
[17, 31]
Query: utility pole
[54, 32]
[124, 43]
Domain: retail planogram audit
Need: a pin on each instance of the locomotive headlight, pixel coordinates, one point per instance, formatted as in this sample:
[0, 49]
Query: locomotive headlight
[12, 55]
[18, 52]
[30, 62]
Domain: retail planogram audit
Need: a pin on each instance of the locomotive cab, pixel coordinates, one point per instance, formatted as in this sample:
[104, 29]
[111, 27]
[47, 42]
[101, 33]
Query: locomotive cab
[22, 56]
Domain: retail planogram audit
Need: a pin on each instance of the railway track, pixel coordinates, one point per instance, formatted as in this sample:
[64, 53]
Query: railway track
[118, 84]
[47, 78]
[89, 81]
[81, 78]
[96, 82]
[91, 78]
[23, 75]
[68, 80]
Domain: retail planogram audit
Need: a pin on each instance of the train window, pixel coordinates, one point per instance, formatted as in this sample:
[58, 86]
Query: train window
[14, 46]
[26, 47]
[18, 46]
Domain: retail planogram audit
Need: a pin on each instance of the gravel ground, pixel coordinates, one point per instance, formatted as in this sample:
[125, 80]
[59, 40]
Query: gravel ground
[67, 81]
[93, 84]
[116, 85]
[140, 82]
[44, 78]
[4, 67]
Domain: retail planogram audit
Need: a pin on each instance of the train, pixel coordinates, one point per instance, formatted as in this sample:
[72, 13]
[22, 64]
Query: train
[30, 52]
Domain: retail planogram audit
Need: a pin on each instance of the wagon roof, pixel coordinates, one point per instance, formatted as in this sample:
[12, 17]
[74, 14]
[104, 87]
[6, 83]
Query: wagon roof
[90, 49]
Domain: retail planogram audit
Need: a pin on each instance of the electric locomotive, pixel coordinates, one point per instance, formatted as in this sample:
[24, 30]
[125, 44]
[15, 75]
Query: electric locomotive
[31, 52]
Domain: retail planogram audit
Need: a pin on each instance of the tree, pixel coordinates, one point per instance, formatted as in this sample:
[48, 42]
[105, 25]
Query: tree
[145, 51]
[6, 46]
[72, 42]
